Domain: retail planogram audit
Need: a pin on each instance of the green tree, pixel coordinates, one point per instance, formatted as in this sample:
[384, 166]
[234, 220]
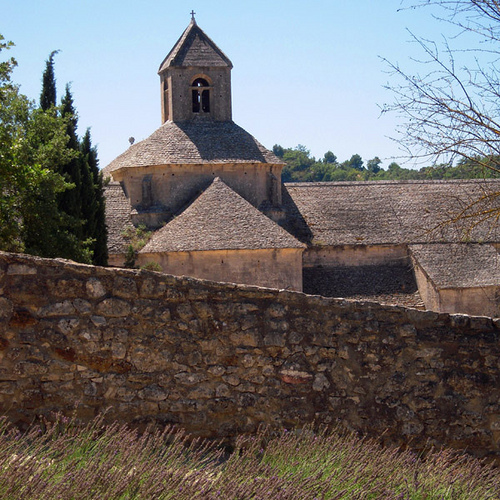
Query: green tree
[278, 151]
[356, 162]
[33, 144]
[373, 165]
[70, 200]
[48, 94]
[329, 157]
[93, 203]
[298, 163]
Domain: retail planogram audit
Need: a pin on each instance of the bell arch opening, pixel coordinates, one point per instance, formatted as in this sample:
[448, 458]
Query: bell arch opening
[200, 92]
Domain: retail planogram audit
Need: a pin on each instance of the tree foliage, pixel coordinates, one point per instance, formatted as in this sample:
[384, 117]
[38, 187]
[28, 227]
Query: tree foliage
[32, 143]
[302, 167]
[48, 96]
[40, 164]
[93, 203]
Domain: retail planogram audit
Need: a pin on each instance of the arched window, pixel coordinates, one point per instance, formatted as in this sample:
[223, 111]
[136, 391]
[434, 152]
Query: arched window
[200, 91]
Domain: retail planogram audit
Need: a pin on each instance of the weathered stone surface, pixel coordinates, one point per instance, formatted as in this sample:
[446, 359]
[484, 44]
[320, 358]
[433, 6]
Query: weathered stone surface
[113, 308]
[68, 325]
[65, 308]
[218, 359]
[5, 308]
[95, 288]
[153, 393]
[21, 269]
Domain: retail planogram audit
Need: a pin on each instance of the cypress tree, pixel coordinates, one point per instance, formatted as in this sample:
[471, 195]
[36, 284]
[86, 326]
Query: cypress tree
[94, 210]
[48, 94]
[70, 200]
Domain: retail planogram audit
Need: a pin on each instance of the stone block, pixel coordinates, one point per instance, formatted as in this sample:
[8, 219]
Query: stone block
[250, 338]
[113, 308]
[274, 339]
[82, 306]
[95, 289]
[125, 288]
[65, 308]
[21, 269]
[153, 393]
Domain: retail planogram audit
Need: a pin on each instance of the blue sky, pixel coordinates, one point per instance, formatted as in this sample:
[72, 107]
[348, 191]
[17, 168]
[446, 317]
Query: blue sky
[304, 72]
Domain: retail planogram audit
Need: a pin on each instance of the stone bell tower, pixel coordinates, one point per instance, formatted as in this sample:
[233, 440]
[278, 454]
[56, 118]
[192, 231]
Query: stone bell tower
[195, 79]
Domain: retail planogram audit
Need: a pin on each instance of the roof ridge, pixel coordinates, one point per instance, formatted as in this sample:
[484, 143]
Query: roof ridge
[388, 181]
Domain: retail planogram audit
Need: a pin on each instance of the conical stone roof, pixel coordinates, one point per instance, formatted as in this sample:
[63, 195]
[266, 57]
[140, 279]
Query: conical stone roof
[195, 48]
[194, 142]
[220, 219]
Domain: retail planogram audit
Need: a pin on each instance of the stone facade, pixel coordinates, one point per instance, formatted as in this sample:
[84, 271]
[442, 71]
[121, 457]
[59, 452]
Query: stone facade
[270, 268]
[221, 359]
[157, 193]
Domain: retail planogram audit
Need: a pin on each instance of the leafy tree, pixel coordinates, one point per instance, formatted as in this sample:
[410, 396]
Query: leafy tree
[356, 162]
[130, 257]
[278, 151]
[298, 162]
[48, 94]
[32, 144]
[38, 150]
[373, 165]
[329, 157]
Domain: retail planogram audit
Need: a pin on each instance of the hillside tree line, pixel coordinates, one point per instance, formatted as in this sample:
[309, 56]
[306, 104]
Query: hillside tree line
[302, 167]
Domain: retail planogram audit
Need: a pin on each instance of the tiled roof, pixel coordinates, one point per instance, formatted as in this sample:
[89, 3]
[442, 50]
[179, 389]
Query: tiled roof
[384, 283]
[117, 217]
[459, 265]
[391, 212]
[220, 219]
[194, 48]
[194, 142]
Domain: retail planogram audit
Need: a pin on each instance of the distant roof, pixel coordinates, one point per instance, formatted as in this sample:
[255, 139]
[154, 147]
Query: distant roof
[194, 142]
[118, 217]
[392, 212]
[220, 219]
[195, 48]
[459, 265]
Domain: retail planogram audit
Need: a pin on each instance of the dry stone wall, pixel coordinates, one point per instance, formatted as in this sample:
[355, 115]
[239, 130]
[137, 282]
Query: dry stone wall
[220, 359]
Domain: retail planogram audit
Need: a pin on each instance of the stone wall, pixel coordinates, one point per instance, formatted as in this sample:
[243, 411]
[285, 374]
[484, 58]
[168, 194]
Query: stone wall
[221, 359]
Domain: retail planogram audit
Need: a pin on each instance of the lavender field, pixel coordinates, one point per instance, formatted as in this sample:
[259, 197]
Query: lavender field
[62, 460]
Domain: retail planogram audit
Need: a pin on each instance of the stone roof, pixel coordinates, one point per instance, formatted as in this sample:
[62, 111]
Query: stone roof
[220, 219]
[459, 265]
[194, 142]
[392, 212]
[384, 283]
[195, 48]
[118, 217]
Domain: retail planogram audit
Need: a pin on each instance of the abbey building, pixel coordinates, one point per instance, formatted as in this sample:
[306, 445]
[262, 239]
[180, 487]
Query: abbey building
[213, 199]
